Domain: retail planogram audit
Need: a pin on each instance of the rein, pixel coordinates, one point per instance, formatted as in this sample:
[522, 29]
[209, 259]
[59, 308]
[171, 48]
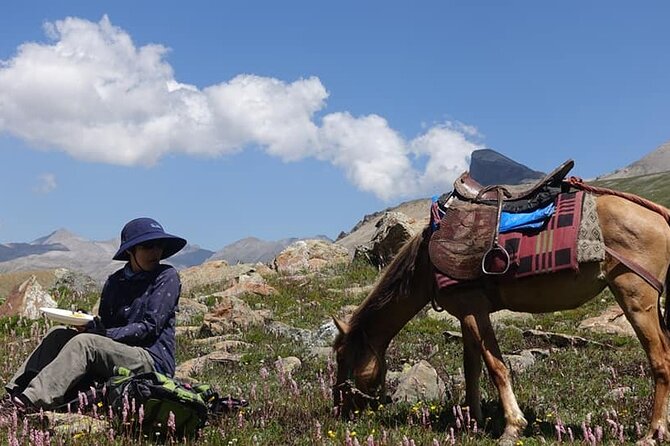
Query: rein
[349, 385]
[662, 211]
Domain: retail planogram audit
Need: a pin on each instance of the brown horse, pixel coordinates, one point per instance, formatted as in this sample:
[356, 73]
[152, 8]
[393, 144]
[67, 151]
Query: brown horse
[408, 284]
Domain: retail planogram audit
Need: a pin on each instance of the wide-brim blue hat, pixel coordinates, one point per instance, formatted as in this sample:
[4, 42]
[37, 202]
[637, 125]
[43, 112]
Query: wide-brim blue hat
[142, 230]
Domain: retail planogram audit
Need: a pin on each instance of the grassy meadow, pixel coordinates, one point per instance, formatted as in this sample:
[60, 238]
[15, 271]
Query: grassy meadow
[596, 394]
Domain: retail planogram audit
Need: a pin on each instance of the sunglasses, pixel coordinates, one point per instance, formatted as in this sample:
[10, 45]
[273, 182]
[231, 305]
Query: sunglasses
[151, 244]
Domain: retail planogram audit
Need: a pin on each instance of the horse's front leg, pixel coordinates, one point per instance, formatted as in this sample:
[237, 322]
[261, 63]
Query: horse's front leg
[478, 325]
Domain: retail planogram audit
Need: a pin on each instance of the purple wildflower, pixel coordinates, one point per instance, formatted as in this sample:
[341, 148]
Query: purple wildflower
[599, 434]
[317, 425]
[171, 423]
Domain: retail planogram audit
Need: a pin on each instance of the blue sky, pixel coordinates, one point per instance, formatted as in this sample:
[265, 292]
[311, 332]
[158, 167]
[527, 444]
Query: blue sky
[278, 119]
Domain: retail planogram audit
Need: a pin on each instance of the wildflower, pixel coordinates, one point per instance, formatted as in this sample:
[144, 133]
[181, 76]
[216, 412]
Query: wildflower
[171, 424]
[599, 434]
[519, 443]
[332, 434]
[141, 414]
[318, 430]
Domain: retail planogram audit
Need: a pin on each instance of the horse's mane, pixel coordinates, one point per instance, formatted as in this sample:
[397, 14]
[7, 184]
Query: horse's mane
[395, 281]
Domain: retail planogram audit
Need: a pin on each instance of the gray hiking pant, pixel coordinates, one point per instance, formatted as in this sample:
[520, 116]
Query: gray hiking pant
[65, 357]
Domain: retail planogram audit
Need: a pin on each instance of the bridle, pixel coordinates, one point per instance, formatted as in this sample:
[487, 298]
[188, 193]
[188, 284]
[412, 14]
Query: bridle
[348, 386]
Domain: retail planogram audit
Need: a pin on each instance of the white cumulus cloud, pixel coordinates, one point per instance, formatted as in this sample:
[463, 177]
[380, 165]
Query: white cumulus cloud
[92, 93]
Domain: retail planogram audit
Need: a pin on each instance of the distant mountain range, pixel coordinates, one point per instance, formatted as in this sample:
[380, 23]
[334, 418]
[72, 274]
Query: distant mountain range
[63, 249]
[67, 250]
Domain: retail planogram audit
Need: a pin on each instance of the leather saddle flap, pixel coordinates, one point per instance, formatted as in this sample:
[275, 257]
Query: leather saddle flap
[464, 236]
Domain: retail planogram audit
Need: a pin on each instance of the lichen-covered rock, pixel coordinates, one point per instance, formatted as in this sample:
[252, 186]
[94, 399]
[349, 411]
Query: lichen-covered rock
[310, 256]
[420, 383]
[26, 299]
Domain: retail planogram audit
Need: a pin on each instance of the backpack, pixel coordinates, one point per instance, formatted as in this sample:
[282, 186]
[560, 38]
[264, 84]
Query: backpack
[143, 403]
[159, 395]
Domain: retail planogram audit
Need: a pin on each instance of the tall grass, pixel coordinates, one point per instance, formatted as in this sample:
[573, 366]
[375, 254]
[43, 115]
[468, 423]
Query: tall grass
[594, 394]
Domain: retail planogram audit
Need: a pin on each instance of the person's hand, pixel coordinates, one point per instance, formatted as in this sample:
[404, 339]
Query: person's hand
[81, 328]
[95, 326]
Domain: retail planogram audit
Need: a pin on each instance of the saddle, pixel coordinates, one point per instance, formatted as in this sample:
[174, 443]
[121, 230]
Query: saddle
[466, 246]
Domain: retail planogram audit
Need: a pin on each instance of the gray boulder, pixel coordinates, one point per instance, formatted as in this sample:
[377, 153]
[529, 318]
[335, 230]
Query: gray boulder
[420, 383]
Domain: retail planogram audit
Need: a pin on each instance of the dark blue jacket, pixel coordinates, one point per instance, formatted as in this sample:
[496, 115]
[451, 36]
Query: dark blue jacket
[139, 310]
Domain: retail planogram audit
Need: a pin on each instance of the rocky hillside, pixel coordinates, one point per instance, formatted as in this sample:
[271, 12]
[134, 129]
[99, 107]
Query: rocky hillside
[654, 162]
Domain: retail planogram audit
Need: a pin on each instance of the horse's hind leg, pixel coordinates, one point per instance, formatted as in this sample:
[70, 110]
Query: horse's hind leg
[477, 329]
[639, 302]
[472, 367]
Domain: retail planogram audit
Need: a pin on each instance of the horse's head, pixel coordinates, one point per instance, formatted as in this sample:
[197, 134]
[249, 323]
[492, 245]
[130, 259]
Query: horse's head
[361, 371]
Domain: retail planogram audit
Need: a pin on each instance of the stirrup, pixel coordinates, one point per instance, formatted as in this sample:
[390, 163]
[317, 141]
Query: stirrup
[496, 247]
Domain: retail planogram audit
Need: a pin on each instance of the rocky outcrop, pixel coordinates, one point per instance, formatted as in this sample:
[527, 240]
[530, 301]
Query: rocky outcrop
[310, 256]
[75, 282]
[190, 311]
[250, 283]
[364, 230]
[217, 273]
[26, 299]
[231, 314]
[394, 229]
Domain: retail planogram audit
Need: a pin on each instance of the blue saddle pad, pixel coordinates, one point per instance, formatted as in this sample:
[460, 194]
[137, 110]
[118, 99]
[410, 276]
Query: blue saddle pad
[526, 220]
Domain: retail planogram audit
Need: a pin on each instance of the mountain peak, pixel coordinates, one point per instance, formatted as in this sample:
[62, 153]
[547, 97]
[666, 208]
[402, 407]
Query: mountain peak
[490, 167]
[61, 236]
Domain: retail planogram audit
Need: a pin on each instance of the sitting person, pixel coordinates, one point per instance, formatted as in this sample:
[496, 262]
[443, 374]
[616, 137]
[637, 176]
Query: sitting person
[135, 328]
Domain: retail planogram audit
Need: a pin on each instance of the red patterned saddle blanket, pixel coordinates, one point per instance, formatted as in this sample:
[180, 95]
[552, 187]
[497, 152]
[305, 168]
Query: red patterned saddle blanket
[552, 248]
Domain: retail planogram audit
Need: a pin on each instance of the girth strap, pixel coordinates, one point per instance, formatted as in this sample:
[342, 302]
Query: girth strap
[637, 269]
[496, 249]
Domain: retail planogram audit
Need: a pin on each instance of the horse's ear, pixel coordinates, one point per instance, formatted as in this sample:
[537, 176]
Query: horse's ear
[342, 326]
